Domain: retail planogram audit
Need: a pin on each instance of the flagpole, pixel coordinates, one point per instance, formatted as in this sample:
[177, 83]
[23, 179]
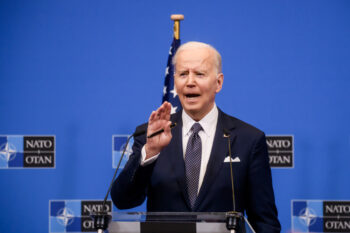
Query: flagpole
[177, 19]
[169, 92]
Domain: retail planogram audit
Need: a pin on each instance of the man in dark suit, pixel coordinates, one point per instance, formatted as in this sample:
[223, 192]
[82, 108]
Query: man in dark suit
[187, 168]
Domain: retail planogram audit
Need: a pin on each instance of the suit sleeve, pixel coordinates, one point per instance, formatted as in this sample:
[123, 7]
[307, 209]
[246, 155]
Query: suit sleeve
[261, 211]
[130, 188]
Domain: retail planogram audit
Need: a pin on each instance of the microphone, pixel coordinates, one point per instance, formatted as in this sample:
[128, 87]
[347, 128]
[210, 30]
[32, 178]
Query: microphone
[140, 132]
[101, 218]
[172, 125]
[233, 218]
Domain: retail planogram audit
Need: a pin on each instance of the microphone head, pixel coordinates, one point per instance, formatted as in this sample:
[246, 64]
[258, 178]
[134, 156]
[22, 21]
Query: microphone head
[141, 132]
[226, 133]
[173, 124]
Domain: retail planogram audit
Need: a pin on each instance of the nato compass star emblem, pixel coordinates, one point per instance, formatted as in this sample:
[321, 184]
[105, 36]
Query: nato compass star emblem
[307, 216]
[7, 152]
[65, 216]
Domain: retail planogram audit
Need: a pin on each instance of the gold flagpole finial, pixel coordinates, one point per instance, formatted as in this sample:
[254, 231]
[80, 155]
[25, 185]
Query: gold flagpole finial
[177, 19]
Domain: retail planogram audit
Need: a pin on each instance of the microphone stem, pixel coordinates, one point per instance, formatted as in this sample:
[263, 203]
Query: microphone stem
[232, 184]
[115, 173]
[121, 158]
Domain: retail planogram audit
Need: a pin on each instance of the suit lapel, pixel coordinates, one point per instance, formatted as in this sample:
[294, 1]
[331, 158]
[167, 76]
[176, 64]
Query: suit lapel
[218, 153]
[177, 158]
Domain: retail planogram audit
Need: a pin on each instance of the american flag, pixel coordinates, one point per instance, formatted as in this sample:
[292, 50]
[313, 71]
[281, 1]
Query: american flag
[169, 93]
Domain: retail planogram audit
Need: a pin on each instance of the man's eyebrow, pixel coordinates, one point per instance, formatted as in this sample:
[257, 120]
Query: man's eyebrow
[181, 70]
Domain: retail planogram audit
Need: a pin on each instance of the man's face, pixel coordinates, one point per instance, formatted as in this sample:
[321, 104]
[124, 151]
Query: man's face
[197, 81]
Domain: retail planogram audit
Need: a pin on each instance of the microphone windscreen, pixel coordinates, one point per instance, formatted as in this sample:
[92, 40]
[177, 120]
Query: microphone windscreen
[226, 133]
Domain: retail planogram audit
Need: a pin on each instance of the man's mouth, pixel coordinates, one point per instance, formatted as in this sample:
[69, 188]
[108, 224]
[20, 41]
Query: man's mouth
[192, 95]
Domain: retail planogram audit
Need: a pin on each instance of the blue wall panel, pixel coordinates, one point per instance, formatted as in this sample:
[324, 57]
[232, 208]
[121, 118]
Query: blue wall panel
[86, 70]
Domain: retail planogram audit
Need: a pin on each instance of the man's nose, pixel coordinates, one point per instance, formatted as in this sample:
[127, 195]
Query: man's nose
[191, 79]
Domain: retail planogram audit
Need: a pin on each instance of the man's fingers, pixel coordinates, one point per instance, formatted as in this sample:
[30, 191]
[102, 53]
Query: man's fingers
[167, 111]
[163, 112]
[157, 117]
[152, 117]
[160, 111]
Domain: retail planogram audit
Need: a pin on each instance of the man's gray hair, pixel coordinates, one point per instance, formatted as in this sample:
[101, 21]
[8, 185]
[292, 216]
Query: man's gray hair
[195, 45]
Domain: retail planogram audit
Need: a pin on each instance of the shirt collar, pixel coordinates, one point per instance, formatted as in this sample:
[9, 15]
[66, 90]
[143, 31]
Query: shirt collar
[208, 122]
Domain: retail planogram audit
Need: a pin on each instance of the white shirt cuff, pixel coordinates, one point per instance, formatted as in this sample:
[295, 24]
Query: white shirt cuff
[144, 162]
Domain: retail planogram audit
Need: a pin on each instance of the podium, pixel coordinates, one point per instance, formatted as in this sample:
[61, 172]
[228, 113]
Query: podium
[173, 222]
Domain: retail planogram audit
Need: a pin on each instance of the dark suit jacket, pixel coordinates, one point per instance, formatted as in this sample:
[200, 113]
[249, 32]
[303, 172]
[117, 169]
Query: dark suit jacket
[164, 184]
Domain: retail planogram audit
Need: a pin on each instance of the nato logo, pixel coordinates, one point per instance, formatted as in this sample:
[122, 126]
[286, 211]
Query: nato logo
[307, 216]
[118, 145]
[281, 151]
[320, 216]
[74, 215]
[27, 152]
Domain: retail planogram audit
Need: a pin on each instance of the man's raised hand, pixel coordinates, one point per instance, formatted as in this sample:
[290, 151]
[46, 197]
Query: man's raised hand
[159, 119]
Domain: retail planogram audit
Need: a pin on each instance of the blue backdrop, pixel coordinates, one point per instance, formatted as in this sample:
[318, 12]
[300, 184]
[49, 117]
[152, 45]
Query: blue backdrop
[86, 70]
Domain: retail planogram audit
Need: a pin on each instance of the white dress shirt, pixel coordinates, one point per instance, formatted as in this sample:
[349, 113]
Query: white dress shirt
[208, 124]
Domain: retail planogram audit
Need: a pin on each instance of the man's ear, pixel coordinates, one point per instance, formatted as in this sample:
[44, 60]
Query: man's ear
[219, 81]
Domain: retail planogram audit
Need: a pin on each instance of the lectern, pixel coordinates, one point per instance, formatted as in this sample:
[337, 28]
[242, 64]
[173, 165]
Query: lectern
[173, 222]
